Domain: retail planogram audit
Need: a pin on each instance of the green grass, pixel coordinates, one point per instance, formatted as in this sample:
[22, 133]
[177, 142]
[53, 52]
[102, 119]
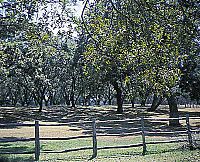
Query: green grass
[155, 153]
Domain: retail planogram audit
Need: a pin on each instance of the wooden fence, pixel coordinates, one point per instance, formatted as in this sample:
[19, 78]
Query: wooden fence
[143, 132]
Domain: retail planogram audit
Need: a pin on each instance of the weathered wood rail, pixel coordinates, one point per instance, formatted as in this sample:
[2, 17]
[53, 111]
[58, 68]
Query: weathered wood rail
[139, 131]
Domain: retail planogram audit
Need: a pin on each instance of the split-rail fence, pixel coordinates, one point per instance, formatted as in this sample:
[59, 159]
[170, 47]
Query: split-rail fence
[144, 133]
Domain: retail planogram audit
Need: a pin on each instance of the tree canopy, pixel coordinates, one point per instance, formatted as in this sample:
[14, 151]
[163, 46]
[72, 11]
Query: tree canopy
[140, 38]
[123, 49]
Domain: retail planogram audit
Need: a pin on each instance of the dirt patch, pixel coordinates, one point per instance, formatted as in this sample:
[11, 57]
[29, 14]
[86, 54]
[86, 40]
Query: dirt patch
[50, 131]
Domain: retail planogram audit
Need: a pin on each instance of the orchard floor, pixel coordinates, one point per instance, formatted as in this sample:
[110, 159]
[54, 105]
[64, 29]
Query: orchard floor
[63, 114]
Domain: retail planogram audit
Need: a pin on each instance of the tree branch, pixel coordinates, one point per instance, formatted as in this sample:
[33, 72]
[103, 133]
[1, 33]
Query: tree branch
[85, 26]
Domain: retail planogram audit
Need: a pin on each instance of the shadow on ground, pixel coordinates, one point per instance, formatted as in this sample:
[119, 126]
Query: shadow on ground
[64, 114]
[16, 158]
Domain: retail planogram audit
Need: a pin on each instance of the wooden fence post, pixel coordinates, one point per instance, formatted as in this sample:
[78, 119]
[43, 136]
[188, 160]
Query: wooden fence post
[189, 132]
[37, 141]
[94, 138]
[143, 137]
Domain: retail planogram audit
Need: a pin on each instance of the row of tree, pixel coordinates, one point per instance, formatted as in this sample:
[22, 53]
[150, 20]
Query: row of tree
[117, 49]
[148, 45]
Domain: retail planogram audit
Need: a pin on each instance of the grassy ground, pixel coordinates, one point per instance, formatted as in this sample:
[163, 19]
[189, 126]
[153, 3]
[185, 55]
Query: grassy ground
[155, 153]
[61, 114]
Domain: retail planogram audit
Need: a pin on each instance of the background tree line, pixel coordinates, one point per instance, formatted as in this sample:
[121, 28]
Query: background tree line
[123, 50]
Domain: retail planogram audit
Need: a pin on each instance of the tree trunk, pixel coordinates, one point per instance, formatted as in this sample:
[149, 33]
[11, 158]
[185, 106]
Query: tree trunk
[40, 104]
[173, 110]
[109, 96]
[46, 102]
[119, 97]
[109, 101]
[72, 92]
[98, 102]
[143, 102]
[22, 103]
[40, 97]
[133, 102]
[67, 100]
[50, 99]
[72, 99]
[156, 102]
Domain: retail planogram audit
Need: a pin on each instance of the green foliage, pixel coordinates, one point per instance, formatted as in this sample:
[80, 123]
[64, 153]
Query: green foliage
[32, 58]
[140, 39]
[138, 45]
[190, 78]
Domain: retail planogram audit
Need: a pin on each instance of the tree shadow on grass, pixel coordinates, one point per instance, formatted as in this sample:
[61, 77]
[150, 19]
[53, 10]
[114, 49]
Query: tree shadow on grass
[14, 152]
[9, 158]
[15, 147]
[129, 154]
[64, 114]
[109, 127]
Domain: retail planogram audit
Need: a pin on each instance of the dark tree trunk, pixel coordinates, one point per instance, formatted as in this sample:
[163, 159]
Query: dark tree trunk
[14, 99]
[27, 97]
[144, 96]
[119, 97]
[51, 99]
[72, 92]
[156, 102]
[40, 104]
[41, 100]
[28, 102]
[109, 95]
[67, 100]
[173, 111]
[133, 102]
[22, 100]
[85, 102]
[98, 102]
[109, 101]
[143, 102]
[46, 102]
[84, 99]
[72, 99]
[40, 97]
[22, 103]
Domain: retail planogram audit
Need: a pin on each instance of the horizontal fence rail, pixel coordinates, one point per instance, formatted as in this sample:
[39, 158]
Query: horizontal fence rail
[69, 150]
[98, 131]
[17, 140]
[120, 134]
[23, 152]
[16, 125]
[179, 118]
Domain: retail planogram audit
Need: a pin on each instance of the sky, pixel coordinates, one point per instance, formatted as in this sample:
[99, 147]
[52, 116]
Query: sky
[77, 10]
